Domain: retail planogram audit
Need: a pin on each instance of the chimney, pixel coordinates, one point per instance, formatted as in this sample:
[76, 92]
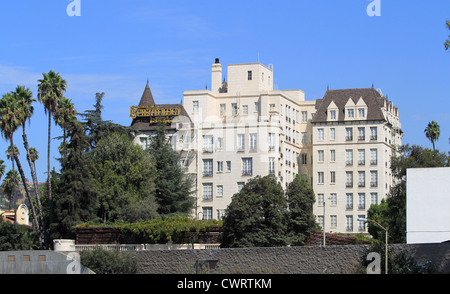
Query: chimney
[216, 76]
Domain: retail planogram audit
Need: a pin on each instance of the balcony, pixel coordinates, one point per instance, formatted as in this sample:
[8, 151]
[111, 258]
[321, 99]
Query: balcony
[207, 173]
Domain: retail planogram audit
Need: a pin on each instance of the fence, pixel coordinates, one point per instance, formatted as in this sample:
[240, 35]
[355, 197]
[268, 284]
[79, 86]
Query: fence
[142, 247]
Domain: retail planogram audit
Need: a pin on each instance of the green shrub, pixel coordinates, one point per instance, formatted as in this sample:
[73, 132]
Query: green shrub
[109, 262]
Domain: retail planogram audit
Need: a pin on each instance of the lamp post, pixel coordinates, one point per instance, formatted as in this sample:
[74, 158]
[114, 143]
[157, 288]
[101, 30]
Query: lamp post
[370, 220]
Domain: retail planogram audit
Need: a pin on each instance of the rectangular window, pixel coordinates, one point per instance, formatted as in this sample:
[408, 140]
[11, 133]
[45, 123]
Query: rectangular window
[361, 179]
[207, 213]
[361, 112]
[244, 109]
[320, 156]
[223, 109]
[361, 134]
[271, 141]
[350, 113]
[195, 106]
[208, 143]
[332, 114]
[220, 214]
[320, 199]
[219, 143]
[234, 109]
[320, 134]
[348, 134]
[253, 142]
[256, 106]
[207, 191]
[332, 155]
[246, 166]
[349, 226]
[333, 199]
[220, 166]
[228, 166]
[373, 133]
[219, 191]
[249, 75]
[361, 223]
[362, 201]
[349, 203]
[304, 158]
[271, 165]
[207, 167]
[373, 198]
[332, 133]
[349, 182]
[373, 156]
[349, 157]
[373, 178]
[361, 157]
[240, 185]
[320, 178]
[332, 177]
[333, 221]
[304, 116]
[240, 142]
[320, 220]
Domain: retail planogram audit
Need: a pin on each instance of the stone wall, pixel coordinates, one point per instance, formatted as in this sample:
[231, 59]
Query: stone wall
[283, 260]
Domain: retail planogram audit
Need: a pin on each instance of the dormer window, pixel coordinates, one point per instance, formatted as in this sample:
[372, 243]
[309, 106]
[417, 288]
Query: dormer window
[361, 112]
[350, 113]
[332, 114]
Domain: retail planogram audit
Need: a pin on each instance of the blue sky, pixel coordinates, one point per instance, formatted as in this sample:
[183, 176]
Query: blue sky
[114, 46]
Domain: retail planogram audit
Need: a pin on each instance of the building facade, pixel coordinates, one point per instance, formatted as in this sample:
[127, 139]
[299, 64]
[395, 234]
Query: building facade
[242, 127]
[355, 134]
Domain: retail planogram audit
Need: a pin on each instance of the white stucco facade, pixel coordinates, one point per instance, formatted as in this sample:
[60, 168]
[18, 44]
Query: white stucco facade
[427, 205]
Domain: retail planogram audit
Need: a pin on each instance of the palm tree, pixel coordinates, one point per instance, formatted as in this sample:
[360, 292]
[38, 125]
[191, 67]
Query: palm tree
[65, 111]
[9, 183]
[11, 116]
[25, 99]
[432, 132]
[50, 88]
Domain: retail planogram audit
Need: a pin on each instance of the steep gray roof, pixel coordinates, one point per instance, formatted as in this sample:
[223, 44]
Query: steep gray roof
[373, 99]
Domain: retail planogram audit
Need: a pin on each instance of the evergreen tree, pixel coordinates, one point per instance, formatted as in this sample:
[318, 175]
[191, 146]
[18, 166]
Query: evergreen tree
[76, 198]
[123, 178]
[257, 215]
[173, 188]
[301, 220]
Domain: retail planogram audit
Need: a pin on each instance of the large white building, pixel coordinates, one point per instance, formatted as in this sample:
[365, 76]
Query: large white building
[243, 127]
[355, 134]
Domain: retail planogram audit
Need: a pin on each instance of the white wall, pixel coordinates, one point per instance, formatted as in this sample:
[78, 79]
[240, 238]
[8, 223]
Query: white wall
[427, 205]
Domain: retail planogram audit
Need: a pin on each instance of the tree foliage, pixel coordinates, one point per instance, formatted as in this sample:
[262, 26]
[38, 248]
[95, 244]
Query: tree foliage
[301, 219]
[123, 177]
[256, 216]
[173, 188]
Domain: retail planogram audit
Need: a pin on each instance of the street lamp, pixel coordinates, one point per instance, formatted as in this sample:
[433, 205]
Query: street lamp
[370, 220]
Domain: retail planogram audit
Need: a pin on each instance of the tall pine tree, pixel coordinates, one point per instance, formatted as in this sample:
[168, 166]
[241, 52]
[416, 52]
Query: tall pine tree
[173, 188]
